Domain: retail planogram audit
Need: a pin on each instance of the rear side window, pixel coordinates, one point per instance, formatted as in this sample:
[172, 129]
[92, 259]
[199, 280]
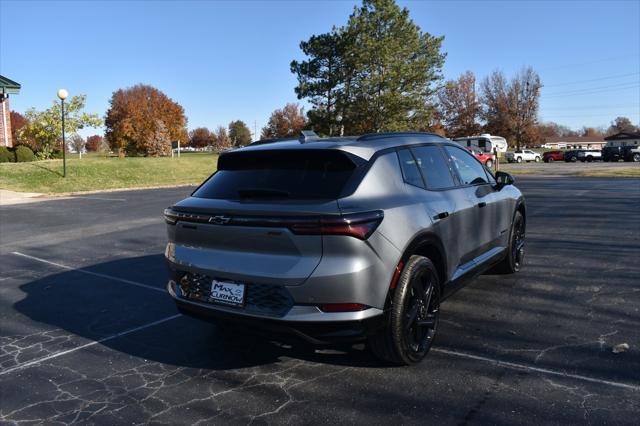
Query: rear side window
[409, 167]
[433, 166]
[469, 169]
[279, 174]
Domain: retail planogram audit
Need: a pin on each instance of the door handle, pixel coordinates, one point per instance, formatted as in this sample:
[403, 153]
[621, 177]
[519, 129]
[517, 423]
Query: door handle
[482, 204]
[442, 215]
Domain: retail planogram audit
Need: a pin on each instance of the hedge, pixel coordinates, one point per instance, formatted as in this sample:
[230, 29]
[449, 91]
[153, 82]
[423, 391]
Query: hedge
[6, 155]
[24, 154]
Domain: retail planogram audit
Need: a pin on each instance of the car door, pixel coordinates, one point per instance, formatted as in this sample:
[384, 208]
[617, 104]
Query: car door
[486, 220]
[446, 202]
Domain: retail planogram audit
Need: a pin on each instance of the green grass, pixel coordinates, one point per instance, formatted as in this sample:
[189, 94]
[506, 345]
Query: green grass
[95, 173]
[619, 172]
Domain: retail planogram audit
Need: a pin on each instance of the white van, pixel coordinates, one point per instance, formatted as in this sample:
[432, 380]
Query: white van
[484, 142]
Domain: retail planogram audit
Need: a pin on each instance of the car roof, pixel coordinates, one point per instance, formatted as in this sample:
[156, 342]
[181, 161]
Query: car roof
[364, 146]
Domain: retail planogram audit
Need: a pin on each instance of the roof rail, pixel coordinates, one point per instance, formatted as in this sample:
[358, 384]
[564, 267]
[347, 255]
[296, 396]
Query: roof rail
[385, 135]
[272, 140]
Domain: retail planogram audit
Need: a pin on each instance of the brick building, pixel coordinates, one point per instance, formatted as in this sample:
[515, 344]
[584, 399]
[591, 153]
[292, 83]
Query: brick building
[7, 87]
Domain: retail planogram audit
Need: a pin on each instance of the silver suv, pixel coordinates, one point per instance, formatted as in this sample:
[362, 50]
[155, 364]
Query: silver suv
[342, 239]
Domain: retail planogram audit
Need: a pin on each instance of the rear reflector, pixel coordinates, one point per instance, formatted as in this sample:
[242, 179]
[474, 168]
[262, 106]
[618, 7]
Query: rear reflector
[396, 274]
[342, 307]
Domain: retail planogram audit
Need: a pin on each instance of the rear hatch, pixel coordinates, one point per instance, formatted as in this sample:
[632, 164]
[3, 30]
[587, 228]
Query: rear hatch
[246, 222]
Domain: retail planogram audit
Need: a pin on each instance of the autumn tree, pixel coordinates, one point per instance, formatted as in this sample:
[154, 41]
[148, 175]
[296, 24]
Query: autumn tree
[44, 128]
[239, 133]
[285, 122]
[77, 142]
[510, 108]
[550, 130]
[159, 144]
[201, 137]
[592, 132]
[377, 73]
[96, 143]
[18, 122]
[622, 124]
[133, 121]
[460, 107]
[222, 140]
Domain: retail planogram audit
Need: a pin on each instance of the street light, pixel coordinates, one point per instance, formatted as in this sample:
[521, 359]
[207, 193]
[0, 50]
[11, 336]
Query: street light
[62, 94]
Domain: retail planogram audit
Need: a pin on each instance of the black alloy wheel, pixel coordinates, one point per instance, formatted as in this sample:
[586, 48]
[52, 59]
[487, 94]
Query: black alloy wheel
[413, 317]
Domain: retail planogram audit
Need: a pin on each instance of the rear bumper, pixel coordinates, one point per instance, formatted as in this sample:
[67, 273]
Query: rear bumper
[306, 322]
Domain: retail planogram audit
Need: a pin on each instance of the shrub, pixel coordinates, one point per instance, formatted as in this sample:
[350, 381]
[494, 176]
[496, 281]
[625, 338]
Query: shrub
[6, 155]
[24, 154]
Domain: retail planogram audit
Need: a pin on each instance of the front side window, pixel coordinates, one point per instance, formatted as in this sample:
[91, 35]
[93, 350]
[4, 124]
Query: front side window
[469, 169]
[433, 166]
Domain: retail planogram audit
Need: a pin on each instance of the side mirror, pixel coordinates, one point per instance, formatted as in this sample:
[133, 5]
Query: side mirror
[503, 179]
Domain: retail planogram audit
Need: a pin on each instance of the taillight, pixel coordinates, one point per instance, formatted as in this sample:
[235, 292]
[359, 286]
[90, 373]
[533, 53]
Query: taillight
[359, 225]
[170, 216]
[342, 307]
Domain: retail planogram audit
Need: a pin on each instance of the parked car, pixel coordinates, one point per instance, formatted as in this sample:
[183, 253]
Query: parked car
[342, 239]
[551, 156]
[617, 153]
[589, 155]
[522, 155]
[485, 158]
[572, 156]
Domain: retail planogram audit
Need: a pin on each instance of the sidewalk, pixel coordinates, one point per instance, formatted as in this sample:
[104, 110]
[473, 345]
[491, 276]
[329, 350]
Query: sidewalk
[12, 197]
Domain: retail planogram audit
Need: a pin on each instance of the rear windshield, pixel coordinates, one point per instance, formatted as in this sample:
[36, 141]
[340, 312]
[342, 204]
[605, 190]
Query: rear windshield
[279, 174]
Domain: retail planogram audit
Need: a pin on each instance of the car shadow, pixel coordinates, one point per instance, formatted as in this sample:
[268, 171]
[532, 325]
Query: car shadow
[84, 302]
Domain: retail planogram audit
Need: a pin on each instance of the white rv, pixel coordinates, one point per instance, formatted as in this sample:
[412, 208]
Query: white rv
[484, 142]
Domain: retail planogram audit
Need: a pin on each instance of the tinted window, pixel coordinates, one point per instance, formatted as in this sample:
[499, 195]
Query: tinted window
[409, 168]
[433, 166]
[469, 169]
[279, 174]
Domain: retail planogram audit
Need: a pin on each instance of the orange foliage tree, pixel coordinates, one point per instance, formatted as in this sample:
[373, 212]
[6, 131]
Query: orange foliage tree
[142, 117]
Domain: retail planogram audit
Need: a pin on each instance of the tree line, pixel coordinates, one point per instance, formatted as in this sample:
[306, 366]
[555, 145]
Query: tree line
[378, 72]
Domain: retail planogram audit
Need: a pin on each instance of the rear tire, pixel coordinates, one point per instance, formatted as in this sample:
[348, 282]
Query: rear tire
[550, 160]
[515, 252]
[519, 160]
[413, 317]
[537, 160]
[489, 163]
[636, 158]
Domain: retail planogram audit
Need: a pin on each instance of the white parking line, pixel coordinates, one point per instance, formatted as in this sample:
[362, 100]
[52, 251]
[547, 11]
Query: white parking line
[84, 271]
[531, 368]
[494, 361]
[104, 339]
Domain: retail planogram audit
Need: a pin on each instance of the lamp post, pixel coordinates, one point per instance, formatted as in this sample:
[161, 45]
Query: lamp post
[62, 94]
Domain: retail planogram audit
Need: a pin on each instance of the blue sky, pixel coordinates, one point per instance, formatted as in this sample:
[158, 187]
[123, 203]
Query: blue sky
[230, 60]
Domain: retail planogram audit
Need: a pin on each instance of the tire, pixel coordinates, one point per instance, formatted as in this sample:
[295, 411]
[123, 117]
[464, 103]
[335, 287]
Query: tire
[550, 160]
[636, 158]
[519, 160]
[413, 316]
[489, 163]
[573, 159]
[537, 159]
[589, 159]
[515, 255]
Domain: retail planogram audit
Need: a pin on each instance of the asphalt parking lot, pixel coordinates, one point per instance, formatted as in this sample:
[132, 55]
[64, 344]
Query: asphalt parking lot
[88, 334]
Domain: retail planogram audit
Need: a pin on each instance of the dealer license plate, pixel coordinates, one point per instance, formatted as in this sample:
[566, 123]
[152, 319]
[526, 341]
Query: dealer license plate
[226, 293]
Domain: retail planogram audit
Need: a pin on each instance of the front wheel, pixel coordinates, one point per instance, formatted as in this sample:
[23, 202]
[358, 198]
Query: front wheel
[515, 255]
[519, 160]
[636, 158]
[550, 160]
[413, 318]
[489, 163]
[573, 159]
[537, 160]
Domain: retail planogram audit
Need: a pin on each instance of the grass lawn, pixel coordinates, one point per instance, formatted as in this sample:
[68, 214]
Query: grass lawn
[95, 172]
